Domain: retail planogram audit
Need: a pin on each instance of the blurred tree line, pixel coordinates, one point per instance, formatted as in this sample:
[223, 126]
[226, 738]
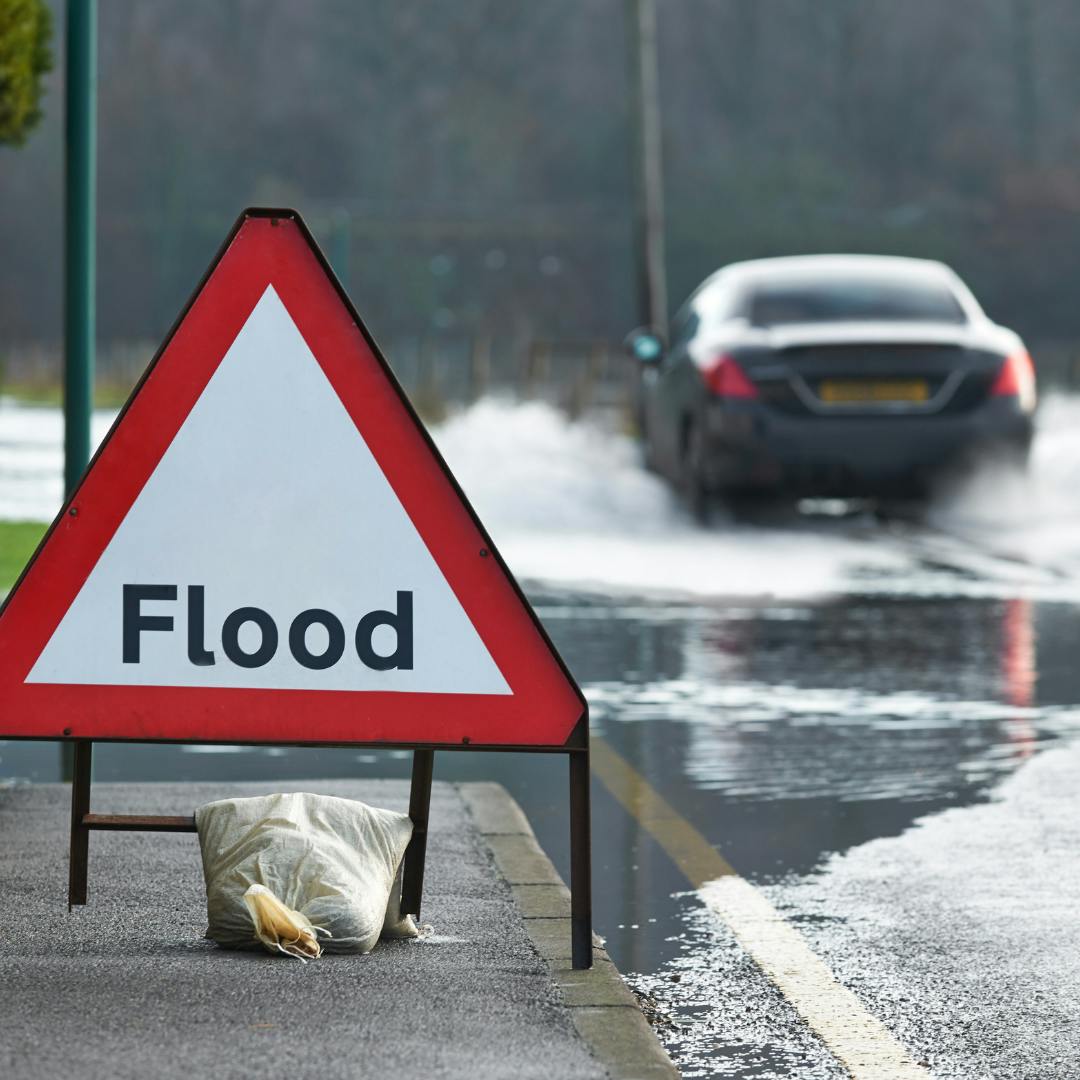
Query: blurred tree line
[25, 56]
[468, 165]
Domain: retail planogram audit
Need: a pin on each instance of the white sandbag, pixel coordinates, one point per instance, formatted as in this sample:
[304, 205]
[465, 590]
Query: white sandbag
[333, 866]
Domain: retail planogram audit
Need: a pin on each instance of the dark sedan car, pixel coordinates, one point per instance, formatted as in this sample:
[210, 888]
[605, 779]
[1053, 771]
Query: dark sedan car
[831, 375]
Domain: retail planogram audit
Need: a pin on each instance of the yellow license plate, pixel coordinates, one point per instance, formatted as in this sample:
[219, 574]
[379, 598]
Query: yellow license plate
[872, 391]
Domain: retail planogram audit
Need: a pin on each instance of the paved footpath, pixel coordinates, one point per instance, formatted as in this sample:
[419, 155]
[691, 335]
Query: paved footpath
[128, 986]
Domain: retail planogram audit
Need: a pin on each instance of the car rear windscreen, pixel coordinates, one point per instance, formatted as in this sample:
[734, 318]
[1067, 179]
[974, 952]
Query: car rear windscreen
[842, 299]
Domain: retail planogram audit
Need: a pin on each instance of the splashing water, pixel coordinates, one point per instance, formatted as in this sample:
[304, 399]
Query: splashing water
[32, 459]
[569, 503]
[1032, 516]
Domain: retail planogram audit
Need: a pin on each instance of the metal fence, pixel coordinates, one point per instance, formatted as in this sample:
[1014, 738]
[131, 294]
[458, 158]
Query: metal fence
[444, 371]
[439, 372]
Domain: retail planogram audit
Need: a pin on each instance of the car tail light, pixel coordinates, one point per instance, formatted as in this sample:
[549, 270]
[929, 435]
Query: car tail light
[725, 378]
[1016, 379]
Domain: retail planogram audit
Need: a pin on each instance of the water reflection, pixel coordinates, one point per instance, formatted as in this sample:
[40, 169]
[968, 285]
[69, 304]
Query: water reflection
[788, 732]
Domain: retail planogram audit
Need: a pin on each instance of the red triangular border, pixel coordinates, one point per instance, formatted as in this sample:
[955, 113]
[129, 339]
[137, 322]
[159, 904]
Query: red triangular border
[274, 247]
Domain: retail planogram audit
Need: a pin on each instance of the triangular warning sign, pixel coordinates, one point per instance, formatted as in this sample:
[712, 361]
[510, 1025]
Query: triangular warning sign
[268, 548]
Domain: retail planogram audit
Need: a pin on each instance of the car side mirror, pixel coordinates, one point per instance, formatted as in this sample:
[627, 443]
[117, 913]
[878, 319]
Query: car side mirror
[645, 346]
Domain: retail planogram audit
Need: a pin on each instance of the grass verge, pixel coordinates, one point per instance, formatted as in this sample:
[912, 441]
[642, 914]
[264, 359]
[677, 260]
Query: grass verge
[107, 395]
[17, 542]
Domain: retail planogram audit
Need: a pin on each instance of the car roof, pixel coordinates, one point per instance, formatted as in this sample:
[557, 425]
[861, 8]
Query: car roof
[827, 265]
[744, 276]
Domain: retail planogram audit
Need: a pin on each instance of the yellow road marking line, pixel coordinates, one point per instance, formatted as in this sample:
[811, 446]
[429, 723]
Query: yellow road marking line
[861, 1043]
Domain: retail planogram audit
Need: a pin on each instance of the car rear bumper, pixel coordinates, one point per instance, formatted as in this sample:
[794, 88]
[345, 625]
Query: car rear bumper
[749, 445]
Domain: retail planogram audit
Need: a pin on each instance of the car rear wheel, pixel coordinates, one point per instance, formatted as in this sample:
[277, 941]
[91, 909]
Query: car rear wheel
[695, 492]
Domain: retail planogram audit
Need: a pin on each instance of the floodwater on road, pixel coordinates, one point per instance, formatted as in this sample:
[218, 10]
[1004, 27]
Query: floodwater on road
[794, 686]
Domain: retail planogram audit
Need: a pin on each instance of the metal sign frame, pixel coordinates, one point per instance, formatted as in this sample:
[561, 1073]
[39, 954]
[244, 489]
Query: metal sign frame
[576, 746]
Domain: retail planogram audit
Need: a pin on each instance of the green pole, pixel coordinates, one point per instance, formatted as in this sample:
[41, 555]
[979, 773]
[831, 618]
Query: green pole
[80, 169]
[80, 138]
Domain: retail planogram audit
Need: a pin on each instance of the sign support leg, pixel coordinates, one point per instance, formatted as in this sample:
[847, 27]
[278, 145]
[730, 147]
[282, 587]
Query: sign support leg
[580, 862]
[80, 833]
[412, 880]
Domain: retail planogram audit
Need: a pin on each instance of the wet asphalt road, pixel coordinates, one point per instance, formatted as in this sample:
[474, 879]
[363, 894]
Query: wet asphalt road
[830, 690]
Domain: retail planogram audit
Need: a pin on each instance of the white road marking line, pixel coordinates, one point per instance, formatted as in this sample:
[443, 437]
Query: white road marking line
[860, 1042]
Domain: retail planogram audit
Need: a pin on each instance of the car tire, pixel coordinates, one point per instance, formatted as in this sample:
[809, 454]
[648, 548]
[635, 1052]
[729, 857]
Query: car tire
[695, 492]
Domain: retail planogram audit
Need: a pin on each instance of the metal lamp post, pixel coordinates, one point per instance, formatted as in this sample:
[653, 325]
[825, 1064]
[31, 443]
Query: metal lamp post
[80, 168]
[80, 137]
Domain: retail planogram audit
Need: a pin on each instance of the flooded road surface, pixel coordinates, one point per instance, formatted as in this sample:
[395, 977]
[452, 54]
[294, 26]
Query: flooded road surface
[793, 688]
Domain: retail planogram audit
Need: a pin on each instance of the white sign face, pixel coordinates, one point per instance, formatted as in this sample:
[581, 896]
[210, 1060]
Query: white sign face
[268, 551]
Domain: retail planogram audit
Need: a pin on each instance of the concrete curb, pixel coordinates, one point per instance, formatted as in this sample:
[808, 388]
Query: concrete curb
[604, 1011]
